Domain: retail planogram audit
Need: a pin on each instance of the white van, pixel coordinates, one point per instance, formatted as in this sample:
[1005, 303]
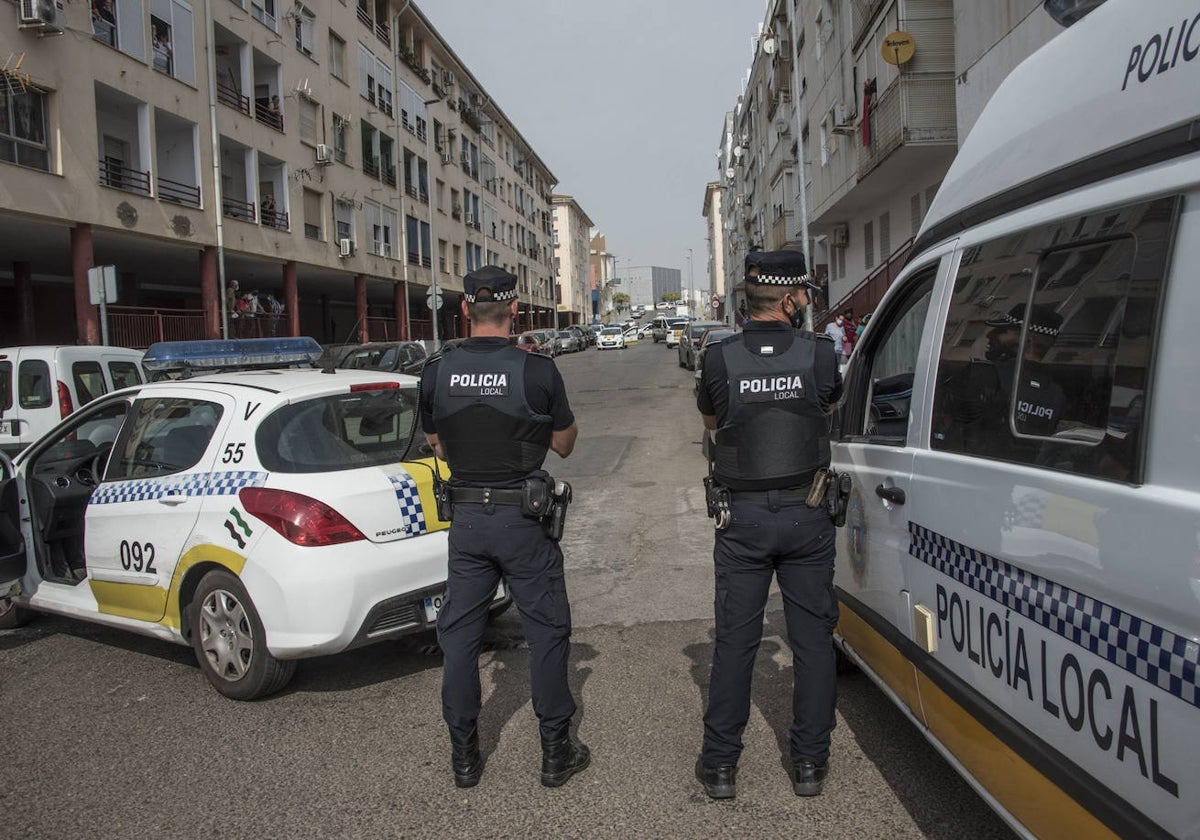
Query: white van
[1020, 566]
[41, 385]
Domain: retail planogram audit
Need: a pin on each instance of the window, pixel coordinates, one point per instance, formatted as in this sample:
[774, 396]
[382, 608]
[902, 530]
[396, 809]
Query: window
[88, 379]
[124, 375]
[122, 24]
[391, 224]
[885, 236]
[337, 57]
[366, 74]
[340, 128]
[163, 436]
[343, 220]
[914, 212]
[420, 248]
[878, 396]
[160, 50]
[383, 75]
[6, 392]
[310, 118]
[869, 245]
[172, 42]
[312, 214]
[305, 22]
[23, 128]
[1046, 354]
[33, 384]
[263, 11]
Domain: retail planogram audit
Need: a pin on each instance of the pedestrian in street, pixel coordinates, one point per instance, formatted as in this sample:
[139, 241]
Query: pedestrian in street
[836, 330]
[767, 392]
[493, 412]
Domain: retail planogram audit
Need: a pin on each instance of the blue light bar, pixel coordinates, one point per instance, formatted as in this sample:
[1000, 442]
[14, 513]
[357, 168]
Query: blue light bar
[221, 354]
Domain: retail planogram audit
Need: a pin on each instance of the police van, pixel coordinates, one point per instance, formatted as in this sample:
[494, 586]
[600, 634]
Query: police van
[1020, 566]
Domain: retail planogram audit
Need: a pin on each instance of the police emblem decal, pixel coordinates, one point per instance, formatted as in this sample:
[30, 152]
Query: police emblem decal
[479, 384]
[786, 386]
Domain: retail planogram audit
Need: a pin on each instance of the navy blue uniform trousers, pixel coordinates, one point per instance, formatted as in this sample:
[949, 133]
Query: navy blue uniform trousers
[769, 536]
[487, 541]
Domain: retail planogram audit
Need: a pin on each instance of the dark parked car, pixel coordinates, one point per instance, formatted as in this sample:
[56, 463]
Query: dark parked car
[711, 336]
[689, 341]
[395, 356]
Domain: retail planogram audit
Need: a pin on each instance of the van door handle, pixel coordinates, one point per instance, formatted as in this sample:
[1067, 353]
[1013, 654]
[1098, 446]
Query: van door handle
[172, 500]
[890, 494]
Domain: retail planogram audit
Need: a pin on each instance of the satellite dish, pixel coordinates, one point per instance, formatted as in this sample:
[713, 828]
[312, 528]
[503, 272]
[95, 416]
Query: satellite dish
[730, 172]
[768, 46]
[738, 151]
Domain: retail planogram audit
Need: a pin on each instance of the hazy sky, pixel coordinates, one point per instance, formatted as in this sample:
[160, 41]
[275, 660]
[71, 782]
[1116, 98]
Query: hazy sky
[623, 100]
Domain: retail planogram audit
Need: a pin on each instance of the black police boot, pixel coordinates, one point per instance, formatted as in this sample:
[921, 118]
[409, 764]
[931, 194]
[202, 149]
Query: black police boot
[719, 782]
[562, 759]
[465, 759]
[808, 777]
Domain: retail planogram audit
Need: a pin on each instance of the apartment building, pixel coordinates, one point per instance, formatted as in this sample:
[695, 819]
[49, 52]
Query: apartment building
[712, 211]
[602, 270]
[876, 94]
[337, 156]
[572, 240]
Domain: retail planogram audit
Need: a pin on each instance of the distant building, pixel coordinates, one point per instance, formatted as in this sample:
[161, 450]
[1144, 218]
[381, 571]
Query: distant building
[572, 255]
[716, 250]
[646, 284]
[601, 271]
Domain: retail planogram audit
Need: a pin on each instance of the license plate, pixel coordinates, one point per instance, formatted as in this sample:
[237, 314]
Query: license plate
[433, 604]
[8, 427]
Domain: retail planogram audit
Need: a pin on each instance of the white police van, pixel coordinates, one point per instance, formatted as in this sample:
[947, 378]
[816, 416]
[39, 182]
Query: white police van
[260, 516]
[1020, 571]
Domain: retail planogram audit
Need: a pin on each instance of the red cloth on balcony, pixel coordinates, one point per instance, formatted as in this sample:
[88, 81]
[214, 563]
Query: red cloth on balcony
[868, 93]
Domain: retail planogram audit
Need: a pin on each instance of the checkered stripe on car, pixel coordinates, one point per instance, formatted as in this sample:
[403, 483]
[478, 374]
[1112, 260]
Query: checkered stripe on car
[412, 513]
[189, 484]
[1162, 658]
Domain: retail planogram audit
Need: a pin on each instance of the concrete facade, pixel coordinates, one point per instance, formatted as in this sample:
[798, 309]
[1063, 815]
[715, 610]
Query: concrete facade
[303, 150]
[572, 241]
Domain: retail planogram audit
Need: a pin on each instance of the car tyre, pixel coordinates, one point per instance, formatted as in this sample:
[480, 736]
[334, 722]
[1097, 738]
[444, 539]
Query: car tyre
[230, 642]
[12, 616]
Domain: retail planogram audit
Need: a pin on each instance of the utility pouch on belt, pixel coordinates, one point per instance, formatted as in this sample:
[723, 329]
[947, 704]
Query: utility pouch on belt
[816, 493]
[716, 499]
[535, 496]
[837, 497]
[441, 497]
[557, 520]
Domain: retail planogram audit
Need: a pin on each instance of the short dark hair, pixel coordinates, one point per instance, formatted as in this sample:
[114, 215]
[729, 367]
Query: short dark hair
[489, 311]
[763, 297]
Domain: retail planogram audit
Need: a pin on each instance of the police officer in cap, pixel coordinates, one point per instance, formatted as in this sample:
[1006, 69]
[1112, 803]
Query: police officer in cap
[767, 392]
[492, 412]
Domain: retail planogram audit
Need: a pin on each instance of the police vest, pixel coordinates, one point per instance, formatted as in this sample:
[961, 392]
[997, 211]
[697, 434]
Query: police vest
[775, 429]
[486, 427]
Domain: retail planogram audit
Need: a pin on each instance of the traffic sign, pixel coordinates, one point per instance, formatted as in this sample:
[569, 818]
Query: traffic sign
[434, 301]
[716, 301]
[102, 284]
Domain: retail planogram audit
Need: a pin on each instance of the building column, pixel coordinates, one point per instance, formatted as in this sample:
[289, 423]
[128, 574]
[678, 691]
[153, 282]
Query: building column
[400, 309]
[291, 298]
[360, 306]
[210, 295]
[23, 280]
[87, 321]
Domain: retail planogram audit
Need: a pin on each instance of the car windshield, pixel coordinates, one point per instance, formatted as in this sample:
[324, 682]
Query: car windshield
[713, 336]
[565, 334]
[611, 331]
[678, 325]
[339, 432]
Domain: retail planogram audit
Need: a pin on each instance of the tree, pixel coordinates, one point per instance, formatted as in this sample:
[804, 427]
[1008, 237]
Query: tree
[670, 297]
[620, 301]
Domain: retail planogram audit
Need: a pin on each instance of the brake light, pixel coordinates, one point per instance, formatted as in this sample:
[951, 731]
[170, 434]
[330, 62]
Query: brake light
[65, 406]
[374, 386]
[297, 518]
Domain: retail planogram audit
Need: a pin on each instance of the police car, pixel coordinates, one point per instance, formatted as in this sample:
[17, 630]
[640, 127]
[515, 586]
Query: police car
[260, 516]
[1020, 566]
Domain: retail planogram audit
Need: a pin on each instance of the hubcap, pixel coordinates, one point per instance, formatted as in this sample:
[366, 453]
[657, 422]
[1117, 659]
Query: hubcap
[225, 635]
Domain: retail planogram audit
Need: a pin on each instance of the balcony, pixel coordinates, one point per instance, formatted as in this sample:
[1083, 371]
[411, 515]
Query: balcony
[117, 175]
[169, 190]
[268, 115]
[371, 167]
[273, 218]
[235, 209]
[914, 110]
[389, 175]
[383, 32]
[229, 95]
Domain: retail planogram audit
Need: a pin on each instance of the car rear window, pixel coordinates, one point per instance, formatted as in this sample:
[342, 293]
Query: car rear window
[339, 432]
[124, 374]
[89, 381]
[33, 384]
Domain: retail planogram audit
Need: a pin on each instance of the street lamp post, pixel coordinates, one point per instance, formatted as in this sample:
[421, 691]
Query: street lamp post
[690, 284]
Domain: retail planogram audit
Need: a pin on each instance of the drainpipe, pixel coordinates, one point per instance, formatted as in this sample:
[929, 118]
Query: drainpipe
[211, 62]
[801, 178]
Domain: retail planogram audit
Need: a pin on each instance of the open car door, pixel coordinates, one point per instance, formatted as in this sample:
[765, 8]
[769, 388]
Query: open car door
[12, 546]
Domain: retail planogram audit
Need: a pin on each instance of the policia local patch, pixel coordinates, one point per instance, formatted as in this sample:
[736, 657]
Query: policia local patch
[755, 389]
[479, 384]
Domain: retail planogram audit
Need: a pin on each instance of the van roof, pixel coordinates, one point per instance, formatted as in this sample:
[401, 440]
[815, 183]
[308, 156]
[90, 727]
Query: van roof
[1114, 92]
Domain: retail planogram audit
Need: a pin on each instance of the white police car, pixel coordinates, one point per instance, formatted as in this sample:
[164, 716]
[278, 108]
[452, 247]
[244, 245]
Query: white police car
[261, 516]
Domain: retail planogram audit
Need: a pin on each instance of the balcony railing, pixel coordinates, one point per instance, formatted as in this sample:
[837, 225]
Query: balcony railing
[371, 167]
[104, 31]
[410, 190]
[364, 15]
[389, 176]
[121, 177]
[915, 109]
[235, 209]
[312, 231]
[273, 218]
[139, 327]
[180, 193]
[382, 329]
[384, 32]
[229, 95]
[267, 115]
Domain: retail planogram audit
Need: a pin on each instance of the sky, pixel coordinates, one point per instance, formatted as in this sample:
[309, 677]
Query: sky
[624, 100]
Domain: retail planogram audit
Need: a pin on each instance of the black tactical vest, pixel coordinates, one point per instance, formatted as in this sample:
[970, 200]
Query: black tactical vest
[486, 427]
[775, 429]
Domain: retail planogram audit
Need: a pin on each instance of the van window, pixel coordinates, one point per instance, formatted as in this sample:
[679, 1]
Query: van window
[1046, 355]
[880, 393]
[89, 381]
[163, 436]
[6, 394]
[33, 384]
[124, 375]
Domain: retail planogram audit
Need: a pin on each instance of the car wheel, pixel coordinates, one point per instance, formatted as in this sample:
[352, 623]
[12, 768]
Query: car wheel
[12, 616]
[230, 641]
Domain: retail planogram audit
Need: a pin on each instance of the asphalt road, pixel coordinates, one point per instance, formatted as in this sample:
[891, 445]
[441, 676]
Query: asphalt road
[112, 735]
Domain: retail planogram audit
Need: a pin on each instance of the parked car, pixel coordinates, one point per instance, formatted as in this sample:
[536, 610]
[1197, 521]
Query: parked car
[525, 341]
[398, 356]
[674, 328]
[611, 337]
[568, 341]
[689, 341]
[659, 328]
[586, 336]
[713, 335]
[41, 385]
[259, 520]
[548, 339]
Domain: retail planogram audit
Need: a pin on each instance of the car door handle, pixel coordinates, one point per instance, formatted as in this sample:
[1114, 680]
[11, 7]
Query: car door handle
[172, 500]
[890, 494]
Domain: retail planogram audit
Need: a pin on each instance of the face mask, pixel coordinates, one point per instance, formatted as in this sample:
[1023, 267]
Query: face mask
[797, 316]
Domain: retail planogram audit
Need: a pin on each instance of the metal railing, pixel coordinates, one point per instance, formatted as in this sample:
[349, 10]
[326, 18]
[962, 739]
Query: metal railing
[265, 115]
[382, 329]
[866, 295]
[420, 329]
[363, 14]
[371, 167]
[235, 209]
[121, 177]
[177, 192]
[273, 218]
[914, 109]
[384, 32]
[230, 96]
[139, 327]
[389, 176]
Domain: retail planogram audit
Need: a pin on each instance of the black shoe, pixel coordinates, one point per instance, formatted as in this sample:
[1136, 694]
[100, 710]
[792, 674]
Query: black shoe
[808, 777]
[562, 759]
[719, 782]
[465, 759]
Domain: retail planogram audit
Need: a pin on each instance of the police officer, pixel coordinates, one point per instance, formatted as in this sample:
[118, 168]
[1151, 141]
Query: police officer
[767, 392]
[492, 411]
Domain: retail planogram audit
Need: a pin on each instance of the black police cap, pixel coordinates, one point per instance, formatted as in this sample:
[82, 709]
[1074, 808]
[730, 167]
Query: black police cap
[778, 268]
[1042, 320]
[493, 278]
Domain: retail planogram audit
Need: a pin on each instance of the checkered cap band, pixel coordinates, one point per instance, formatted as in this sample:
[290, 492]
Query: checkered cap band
[779, 279]
[1164, 659]
[511, 294]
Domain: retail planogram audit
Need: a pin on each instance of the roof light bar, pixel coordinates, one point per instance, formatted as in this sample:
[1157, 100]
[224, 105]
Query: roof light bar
[221, 354]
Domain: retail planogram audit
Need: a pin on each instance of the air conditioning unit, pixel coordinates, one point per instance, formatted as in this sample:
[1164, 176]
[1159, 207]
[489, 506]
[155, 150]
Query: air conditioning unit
[839, 237]
[447, 157]
[41, 14]
[324, 155]
[469, 218]
[345, 247]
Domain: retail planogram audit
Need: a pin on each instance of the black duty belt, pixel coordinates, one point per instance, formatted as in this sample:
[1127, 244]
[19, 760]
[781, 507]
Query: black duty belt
[485, 495]
[788, 493]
